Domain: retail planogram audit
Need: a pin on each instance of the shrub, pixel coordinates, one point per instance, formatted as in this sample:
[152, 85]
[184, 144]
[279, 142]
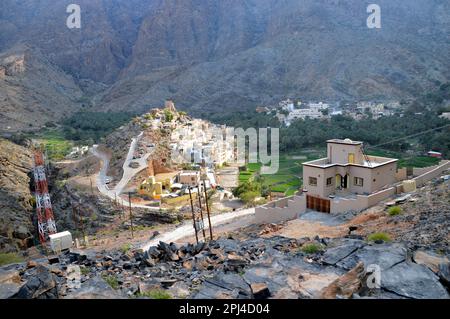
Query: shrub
[125, 248]
[311, 248]
[249, 197]
[85, 270]
[395, 210]
[156, 294]
[112, 281]
[379, 236]
[10, 258]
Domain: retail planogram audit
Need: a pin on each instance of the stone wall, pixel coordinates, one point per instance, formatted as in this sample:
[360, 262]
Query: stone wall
[429, 174]
[281, 210]
[401, 174]
[360, 202]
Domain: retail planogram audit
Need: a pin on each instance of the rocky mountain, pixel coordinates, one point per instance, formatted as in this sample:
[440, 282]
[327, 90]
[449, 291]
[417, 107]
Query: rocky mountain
[33, 91]
[232, 54]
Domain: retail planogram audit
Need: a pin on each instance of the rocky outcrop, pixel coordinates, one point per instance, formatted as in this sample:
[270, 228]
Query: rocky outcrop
[16, 200]
[244, 267]
[14, 64]
[27, 102]
[2, 72]
[347, 285]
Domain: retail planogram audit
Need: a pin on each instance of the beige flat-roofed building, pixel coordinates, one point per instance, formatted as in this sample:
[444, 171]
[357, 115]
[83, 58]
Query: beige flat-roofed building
[347, 170]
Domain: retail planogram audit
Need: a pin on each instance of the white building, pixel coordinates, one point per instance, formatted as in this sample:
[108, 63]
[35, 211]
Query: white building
[305, 113]
[318, 106]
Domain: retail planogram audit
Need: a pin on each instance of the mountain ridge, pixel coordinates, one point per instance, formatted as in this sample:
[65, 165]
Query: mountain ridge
[236, 54]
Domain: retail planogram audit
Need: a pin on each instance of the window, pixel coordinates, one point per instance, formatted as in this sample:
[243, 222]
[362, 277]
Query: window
[313, 181]
[351, 158]
[359, 181]
[329, 181]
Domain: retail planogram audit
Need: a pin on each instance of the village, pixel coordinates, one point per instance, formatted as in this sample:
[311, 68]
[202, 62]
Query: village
[289, 110]
[177, 160]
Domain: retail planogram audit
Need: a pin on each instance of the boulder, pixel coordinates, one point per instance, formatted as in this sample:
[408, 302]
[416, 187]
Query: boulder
[21, 232]
[429, 259]
[95, 288]
[385, 256]
[336, 254]
[260, 290]
[413, 281]
[346, 285]
[40, 286]
[9, 290]
[10, 283]
[444, 274]
[9, 276]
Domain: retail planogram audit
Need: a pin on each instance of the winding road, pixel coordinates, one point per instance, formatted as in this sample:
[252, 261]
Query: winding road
[184, 230]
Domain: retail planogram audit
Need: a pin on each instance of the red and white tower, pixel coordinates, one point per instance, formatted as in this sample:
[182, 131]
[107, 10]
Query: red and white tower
[44, 210]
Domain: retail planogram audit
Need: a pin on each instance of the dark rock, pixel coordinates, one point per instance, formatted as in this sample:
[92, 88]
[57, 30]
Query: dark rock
[38, 285]
[336, 254]
[174, 247]
[413, 281]
[155, 234]
[127, 266]
[53, 259]
[444, 274]
[260, 291]
[385, 256]
[353, 236]
[10, 283]
[199, 247]
[352, 229]
[9, 290]
[223, 286]
[21, 232]
[153, 252]
[95, 288]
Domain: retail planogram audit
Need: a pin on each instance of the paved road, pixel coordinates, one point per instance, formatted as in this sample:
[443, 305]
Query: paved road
[187, 229]
[129, 172]
[102, 176]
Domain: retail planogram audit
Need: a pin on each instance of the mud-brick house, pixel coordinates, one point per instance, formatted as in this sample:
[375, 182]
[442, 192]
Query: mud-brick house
[346, 171]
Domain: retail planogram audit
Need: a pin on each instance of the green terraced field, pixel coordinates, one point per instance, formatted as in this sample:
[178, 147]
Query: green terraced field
[288, 179]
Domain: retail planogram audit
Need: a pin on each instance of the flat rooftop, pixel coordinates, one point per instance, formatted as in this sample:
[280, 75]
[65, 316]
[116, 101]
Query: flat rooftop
[347, 141]
[374, 161]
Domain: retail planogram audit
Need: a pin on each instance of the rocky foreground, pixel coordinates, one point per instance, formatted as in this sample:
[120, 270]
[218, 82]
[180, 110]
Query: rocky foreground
[229, 267]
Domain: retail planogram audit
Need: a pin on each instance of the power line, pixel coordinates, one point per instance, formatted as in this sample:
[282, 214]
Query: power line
[409, 136]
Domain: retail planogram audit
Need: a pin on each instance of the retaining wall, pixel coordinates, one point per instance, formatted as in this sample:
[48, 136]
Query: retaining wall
[432, 172]
[281, 210]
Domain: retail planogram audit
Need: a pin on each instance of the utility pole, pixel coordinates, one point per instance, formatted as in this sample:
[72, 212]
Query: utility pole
[92, 188]
[131, 215]
[201, 209]
[74, 216]
[193, 214]
[207, 209]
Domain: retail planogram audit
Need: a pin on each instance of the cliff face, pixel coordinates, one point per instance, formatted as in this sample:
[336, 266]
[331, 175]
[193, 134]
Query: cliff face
[16, 200]
[33, 91]
[228, 54]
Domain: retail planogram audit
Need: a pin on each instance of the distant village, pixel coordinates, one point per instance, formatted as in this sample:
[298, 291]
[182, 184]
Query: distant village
[289, 110]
